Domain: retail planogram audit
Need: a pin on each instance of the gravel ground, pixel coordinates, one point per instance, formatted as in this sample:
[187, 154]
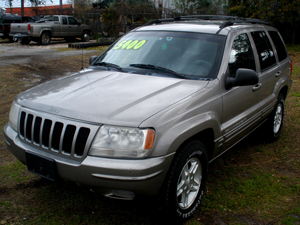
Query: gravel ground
[15, 53]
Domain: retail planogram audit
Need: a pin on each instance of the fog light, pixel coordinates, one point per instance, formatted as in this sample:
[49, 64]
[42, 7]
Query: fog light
[123, 194]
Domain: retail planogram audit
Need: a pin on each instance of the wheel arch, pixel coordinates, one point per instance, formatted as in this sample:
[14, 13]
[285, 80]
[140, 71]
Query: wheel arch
[206, 137]
[88, 30]
[284, 91]
[46, 31]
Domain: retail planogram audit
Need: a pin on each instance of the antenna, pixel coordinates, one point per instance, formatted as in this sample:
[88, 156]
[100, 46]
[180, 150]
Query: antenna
[82, 59]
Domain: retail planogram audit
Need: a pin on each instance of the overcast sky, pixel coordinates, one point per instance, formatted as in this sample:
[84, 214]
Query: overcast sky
[17, 3]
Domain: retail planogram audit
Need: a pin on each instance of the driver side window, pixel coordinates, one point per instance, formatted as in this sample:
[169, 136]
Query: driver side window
[72, 21]
[241, 55]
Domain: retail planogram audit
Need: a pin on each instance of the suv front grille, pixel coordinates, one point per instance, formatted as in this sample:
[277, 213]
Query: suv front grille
[58, 136]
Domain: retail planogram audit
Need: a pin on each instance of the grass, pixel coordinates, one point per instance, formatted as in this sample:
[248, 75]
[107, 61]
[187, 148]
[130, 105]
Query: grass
[254, 183]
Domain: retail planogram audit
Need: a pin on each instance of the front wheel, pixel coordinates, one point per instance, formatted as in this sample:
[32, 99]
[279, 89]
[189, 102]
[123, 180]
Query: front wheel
[45, 38]
[85, 36]
[185, 184]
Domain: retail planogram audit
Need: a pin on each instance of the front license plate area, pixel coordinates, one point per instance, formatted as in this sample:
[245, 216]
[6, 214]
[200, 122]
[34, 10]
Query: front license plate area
[40, 165]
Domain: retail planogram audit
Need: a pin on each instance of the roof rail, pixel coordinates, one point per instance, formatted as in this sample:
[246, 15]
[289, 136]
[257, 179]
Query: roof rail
[230, 20]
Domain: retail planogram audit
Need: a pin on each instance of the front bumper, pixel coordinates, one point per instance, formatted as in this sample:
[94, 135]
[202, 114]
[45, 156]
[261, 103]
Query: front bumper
[108, 176]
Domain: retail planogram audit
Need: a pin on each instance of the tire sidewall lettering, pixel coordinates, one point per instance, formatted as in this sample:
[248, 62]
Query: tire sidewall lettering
[197, 202]
[193, 210]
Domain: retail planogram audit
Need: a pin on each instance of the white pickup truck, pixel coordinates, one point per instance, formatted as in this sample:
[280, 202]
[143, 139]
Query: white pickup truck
[57, 26]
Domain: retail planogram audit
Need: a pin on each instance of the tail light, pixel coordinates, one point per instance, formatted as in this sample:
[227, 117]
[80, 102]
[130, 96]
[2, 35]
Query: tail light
[291, 69]
[3, 28]
[28, 27]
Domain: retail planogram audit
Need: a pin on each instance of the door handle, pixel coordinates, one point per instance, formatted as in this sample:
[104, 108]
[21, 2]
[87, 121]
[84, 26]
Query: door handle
[278, 74]
[256, 87]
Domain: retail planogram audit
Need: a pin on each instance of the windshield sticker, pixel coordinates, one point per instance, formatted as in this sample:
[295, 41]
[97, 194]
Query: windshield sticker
[130, 44]
[164, 46]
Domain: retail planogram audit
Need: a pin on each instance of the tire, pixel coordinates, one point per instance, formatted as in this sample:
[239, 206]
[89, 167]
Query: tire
[45, 38]
[10, 39]
[185, 185]
[24, 41]
[85, 36]
[274, 123]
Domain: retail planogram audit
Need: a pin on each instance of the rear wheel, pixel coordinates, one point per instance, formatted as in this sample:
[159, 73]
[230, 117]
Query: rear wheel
[45, 38]
[275, 121]
[185, 184]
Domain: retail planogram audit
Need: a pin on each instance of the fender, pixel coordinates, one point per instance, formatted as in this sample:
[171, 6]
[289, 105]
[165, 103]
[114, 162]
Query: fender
[187, 129]
[186, 119]
[46, 30]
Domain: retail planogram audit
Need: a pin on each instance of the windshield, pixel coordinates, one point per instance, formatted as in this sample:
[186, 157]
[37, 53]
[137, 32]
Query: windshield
[190, 54]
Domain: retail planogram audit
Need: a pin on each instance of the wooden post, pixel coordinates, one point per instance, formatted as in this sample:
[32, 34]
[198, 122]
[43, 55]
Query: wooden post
[60, 7]
[22, 7]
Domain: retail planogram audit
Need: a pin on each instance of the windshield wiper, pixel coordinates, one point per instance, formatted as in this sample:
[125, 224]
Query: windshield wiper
[153, 67]
[109, 65]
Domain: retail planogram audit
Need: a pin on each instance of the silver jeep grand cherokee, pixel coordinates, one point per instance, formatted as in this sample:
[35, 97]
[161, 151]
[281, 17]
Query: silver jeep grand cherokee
[150, 113]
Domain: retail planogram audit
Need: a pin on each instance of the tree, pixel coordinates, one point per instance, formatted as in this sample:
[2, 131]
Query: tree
[9, 3]
[190, 7]
[277, 12]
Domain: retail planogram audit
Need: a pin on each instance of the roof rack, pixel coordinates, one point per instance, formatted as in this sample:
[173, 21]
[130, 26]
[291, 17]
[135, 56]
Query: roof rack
[230, 20]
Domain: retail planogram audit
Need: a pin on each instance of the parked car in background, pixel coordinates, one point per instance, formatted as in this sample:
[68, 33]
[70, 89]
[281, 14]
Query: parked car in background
[149, 114]
[57, 26]
[8, 19]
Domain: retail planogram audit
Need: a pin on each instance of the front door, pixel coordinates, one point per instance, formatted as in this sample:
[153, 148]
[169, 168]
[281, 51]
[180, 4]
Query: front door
[242, 104]
[74, 27]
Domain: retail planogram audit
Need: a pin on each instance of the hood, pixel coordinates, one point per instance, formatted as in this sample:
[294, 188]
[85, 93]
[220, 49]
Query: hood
[108, 97]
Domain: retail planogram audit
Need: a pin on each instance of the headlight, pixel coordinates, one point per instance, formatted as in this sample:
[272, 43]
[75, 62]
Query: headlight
[14, 115]
[122, 142]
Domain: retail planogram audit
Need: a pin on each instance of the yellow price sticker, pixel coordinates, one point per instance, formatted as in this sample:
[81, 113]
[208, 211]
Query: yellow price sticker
[130, 44]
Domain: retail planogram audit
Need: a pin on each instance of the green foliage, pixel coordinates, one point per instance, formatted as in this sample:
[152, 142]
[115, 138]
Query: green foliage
[275, 10]
[283, 14]
[123, 14]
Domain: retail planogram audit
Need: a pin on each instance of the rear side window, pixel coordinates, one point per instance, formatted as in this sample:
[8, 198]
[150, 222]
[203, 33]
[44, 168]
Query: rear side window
[30, 19]
[241, 55]
[64, 20]
[279, 45]
[264, 50]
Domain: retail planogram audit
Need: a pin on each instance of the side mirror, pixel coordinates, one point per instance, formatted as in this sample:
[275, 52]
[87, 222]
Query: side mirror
[92, 59]
[243, 77]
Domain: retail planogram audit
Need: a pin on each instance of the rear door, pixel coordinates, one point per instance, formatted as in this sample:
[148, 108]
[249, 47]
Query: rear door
[64, 27]
[56, 27]
[282, 57]
[270, 70]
